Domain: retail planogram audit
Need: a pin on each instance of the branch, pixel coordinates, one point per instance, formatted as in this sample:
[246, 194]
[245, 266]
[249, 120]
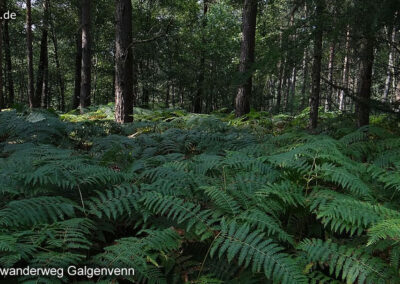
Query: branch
[157, 36]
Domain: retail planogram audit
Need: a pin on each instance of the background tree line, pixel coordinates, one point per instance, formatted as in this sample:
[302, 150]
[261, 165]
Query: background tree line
[276, 56]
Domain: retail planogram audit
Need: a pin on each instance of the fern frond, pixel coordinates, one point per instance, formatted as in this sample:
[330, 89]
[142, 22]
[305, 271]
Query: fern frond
[222, 200]
[266, 223]
[287, 192]
[114, 203]
[349, 263]
[250, 248]
[37, 210]
[386, 229]
[344, 178]
[182, 212]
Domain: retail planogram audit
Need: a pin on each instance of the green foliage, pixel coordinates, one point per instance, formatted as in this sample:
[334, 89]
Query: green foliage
[250, 247]
[348, 263]
[190, 198]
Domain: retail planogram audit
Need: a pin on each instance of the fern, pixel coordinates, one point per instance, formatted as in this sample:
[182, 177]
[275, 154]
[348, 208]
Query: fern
[386, 229]
[181, 211]
[251, 248]
[222, 200]
[348, 263]
[346, 179]
[168, 191]
[37, 210]
[114, 203]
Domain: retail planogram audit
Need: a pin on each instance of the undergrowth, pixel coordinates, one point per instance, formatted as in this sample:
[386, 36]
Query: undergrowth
[186, 198]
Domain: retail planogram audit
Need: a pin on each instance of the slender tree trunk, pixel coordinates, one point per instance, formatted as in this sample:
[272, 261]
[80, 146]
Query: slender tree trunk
[45, 88]
[305, 79]
[33, 103]
[59, 71]
[364, 94]
[198, 99]
[247, 56]
[78, 62]
[279, 89]
[397, 95]
[346, 66]
[145, 88]
[390, 69]
[123, 62]
[304, 97]
[286, 85]
[84, 99]
[328, 101]
[135, 81]
[167, 95]
[173, 95]
[95, 77]
[316, 71]
[293, 89]
[41, 87]
[7, 50]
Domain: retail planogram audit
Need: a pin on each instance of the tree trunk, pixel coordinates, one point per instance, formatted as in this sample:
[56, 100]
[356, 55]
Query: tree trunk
[293, 89]
[59, 71]
[78, 62]
[397, 95]
[198, 98]
[328, 101]
[123, 62]
[41, 87]
[279, 89]
[305, 81]
[7, 50]
[167, 95]
[364, 93]
[390, 68]
[95, 78]
[33, 103]
[84, 99]
[246, 56]
[173, 95]
[316, 71]
[135, 81]
[346, 66]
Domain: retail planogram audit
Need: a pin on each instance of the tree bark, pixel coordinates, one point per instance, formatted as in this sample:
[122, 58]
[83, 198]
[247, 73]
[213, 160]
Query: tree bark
[78, 62]
[7, 49]
[246, 56]
[305, 81]
[328, 101]
[390, 68]
[198, 99]
[279, 89]
[345, 78]
[364, 93]
[316, 71]
[167, 95]
[293, 89]
[123, 62]
[33, 103]
[59, 71]
[41, 82]
[84, 99]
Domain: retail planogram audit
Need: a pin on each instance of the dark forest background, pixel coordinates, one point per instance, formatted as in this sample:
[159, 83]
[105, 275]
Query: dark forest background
[202, 56]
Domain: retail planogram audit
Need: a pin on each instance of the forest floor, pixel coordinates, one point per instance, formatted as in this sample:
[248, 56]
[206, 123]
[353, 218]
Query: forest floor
[173, 191]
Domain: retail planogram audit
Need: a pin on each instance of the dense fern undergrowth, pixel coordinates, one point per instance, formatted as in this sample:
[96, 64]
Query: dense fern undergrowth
[186, 198]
